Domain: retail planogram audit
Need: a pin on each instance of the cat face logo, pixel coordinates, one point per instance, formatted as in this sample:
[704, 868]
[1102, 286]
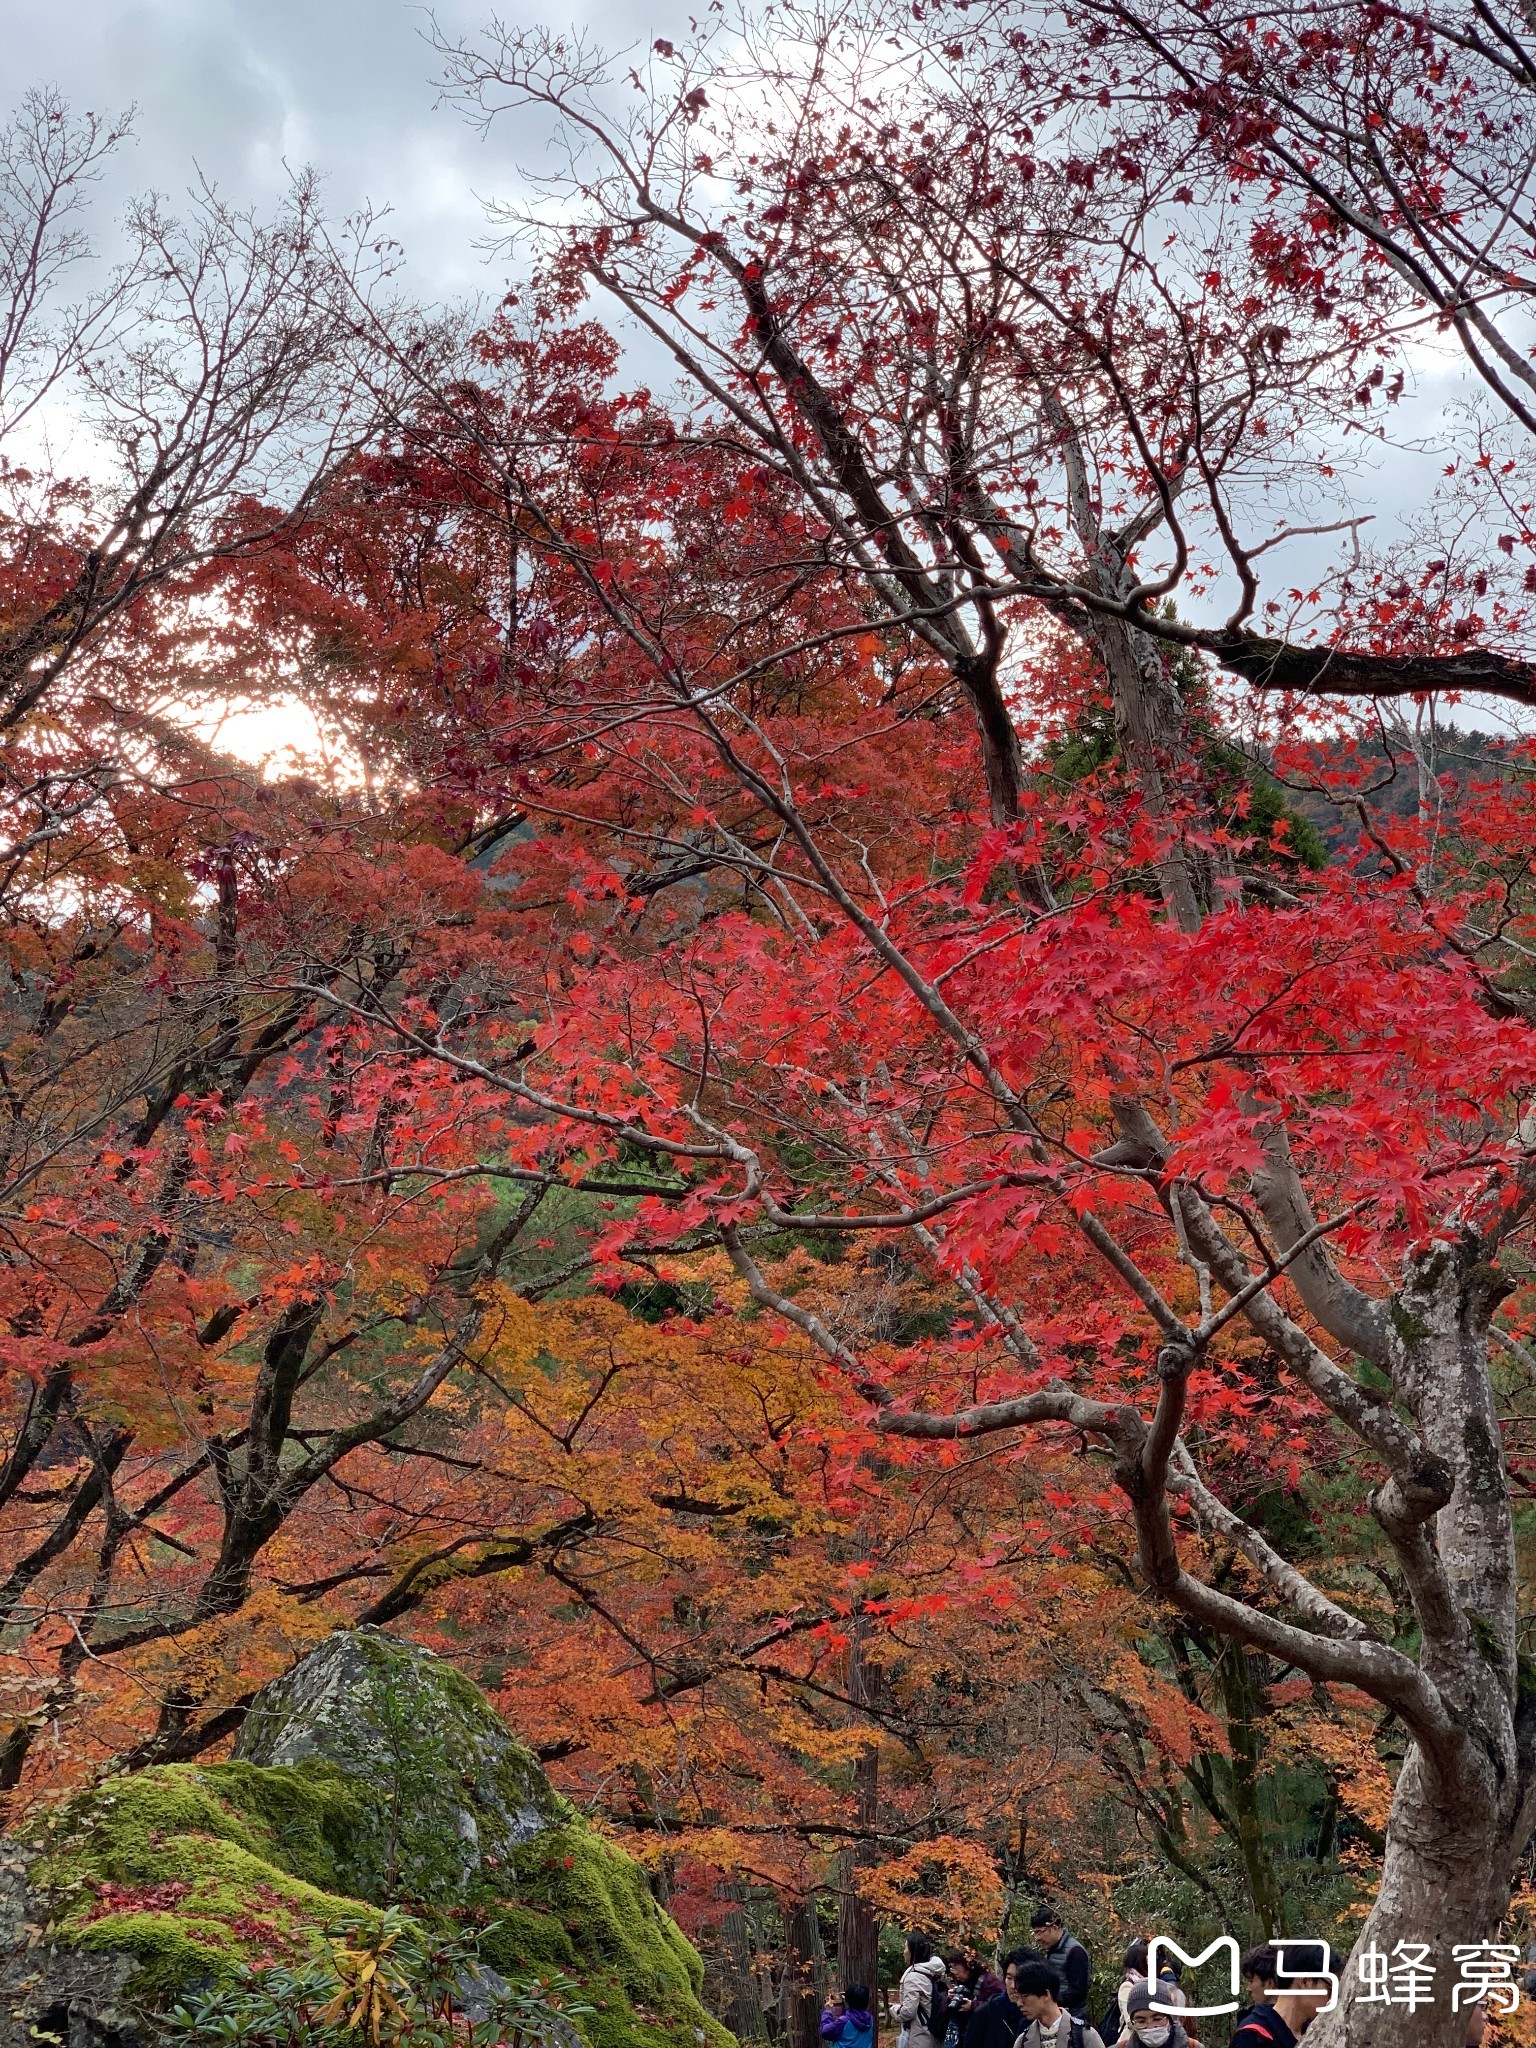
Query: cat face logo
[1160, 1945]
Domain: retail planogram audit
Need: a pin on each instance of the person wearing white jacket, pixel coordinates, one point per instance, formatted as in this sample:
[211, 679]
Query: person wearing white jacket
[913, 2010]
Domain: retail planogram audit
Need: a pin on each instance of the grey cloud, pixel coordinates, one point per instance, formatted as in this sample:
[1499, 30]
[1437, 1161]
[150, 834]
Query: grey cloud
[239, 91]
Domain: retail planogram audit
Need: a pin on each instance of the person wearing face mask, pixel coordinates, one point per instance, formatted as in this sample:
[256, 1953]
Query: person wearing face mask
[1145, 2028]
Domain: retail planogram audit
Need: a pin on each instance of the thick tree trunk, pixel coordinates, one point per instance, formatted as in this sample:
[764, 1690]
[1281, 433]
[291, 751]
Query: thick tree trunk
[1461, 1819]
[858, 1932]
[1149, 723]
[1149, 716]
[1450, 1862]
[804, 1981]
[743, 2000]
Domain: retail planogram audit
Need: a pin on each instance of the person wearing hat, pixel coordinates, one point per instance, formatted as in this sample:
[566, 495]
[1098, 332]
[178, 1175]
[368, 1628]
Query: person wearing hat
[1145, 2028]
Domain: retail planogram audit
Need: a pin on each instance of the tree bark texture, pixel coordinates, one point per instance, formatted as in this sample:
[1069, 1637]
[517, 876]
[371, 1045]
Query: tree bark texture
[858, 1933]
[804, 1981]
[1462, 1815]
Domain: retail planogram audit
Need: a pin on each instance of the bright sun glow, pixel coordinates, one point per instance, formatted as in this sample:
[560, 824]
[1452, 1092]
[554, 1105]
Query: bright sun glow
[280, 738]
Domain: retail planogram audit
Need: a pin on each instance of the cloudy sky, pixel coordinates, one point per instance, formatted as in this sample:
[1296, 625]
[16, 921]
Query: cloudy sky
[239, 91]
[347, 85]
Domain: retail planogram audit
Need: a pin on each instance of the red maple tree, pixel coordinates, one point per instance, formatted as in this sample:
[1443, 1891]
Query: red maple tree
[809, 810]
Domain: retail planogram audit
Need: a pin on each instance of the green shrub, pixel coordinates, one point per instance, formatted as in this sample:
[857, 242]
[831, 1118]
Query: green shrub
[385, 1979]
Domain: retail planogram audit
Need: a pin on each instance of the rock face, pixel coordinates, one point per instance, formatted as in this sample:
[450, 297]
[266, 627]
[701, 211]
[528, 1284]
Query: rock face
[45, 1989]
[372, 1772]
[452, 1794]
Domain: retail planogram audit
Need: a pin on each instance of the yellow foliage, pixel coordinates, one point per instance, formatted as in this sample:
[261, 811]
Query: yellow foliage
[515, 1331]
[222, 1660]
[1365, 1786]
[951, 1887]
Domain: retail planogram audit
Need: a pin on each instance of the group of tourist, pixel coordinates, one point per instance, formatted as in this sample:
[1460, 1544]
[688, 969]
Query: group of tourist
[1041, 2000]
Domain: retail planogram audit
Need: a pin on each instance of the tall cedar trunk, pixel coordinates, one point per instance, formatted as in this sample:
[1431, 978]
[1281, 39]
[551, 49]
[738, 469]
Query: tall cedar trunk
[743, 2001]
[1460, 1823]
[858, 1933]
[805, 1976]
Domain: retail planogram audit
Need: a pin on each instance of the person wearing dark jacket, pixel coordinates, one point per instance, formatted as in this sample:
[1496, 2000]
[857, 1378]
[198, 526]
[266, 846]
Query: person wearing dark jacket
[976, 1979]
[1260, 1976]
[1289, 2009]
[971, 1987]
[999, 2022]
[1067, 1957]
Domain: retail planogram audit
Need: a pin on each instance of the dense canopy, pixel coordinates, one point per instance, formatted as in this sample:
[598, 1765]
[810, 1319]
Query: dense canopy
[864, 1127]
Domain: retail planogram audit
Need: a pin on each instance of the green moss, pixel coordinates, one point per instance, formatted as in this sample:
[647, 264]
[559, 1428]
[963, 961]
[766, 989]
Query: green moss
[584, 1905]
[1490, 1645]
[312, 1813]
[197, 1872]
[194, 1872]
[447, 1790]
[173, 1952]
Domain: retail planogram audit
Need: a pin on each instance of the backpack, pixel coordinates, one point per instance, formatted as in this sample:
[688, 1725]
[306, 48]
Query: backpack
[938, 2019]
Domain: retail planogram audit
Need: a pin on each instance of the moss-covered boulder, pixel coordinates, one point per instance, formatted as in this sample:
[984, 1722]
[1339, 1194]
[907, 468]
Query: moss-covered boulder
[49, 1991]
[192, 1872]
[373, 1772]
[450, 1792]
